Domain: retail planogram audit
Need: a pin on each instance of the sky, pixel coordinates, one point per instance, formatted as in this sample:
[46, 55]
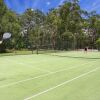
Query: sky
[44, 5]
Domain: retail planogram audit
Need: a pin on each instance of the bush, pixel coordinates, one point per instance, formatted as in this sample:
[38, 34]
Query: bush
[98, 44]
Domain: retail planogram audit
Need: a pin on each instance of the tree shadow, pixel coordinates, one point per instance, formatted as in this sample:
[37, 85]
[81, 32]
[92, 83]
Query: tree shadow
[77, 57]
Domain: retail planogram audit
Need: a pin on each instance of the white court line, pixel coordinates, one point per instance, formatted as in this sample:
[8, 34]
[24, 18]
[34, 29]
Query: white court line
[40, 76]
[66, 82]
[36, 67]
[44, 70]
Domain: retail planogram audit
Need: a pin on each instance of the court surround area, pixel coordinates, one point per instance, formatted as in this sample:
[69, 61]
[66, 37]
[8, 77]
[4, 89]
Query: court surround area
[67, 75]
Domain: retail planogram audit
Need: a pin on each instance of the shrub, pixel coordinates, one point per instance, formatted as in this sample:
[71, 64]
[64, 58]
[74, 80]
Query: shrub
[98, 43]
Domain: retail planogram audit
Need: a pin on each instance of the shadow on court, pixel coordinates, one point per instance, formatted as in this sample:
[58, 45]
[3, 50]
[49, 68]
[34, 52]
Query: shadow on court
[76, 57]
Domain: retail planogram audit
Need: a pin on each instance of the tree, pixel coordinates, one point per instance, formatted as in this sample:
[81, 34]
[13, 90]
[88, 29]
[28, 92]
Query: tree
[32, 21]
[9, 23]
[65, 27]
[3, 10]
[98, 43]
[71, 19]
[54, 21]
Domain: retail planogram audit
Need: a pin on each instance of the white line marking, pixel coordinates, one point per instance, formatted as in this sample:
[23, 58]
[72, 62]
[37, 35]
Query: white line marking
[66, 82]
[40, 76]
[37, 68]
[43, 70]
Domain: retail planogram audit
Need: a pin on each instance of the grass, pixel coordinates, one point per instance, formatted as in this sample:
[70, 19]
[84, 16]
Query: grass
[17, 52]
[42, 77]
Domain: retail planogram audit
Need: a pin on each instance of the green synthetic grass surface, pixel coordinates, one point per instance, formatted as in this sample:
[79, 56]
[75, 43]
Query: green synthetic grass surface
[42, 76]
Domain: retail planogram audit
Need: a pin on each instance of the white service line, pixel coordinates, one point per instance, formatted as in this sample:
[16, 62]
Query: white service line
[31, 66]
[66, 82]
[43, 70]
[40, 76]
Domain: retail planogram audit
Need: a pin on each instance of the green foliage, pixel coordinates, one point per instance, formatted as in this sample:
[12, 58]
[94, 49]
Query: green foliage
[66, 27]
[8, 23]
[98, 43]
[3, 10]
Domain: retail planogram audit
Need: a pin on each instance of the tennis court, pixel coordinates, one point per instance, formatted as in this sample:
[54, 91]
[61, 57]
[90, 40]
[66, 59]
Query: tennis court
[57, 76]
